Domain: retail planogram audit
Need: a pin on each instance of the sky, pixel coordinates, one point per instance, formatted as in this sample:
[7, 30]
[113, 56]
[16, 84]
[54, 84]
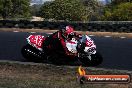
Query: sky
[38, 2]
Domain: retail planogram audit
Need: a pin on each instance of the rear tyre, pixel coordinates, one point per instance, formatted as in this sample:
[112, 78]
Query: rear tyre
[32, 54]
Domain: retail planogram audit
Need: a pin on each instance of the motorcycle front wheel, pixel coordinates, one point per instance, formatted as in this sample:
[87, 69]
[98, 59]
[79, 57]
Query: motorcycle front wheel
[96, 59]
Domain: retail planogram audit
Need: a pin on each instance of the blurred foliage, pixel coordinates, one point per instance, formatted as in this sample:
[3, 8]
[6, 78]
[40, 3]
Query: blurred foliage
[93, 8]
[116, 2]
[119, 12]
[5, 8]
[69, 10]
[46, 10]
[35, 9]
[14, 8]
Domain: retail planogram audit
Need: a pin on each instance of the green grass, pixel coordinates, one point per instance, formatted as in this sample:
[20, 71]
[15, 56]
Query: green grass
[21, 75]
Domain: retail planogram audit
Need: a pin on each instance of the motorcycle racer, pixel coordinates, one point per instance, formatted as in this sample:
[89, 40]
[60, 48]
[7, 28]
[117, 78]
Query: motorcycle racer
[62, 47]
[57, 41]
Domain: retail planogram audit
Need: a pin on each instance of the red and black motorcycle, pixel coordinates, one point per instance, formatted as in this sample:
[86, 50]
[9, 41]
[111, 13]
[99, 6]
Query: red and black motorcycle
[81, 51]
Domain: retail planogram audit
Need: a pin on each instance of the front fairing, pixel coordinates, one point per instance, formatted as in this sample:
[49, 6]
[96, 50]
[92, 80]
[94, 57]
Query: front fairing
[36, 41]
[90, 46]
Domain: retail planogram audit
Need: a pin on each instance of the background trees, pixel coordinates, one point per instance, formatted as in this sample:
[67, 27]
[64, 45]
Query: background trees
[117, 2]
[118, 10]
[14, 8]
[5, 8]
[21, 8]
[35, 9]
[71, 10]
[68, 10]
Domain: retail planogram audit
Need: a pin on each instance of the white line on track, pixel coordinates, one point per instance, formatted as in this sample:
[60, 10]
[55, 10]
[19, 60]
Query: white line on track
[107, 36]
[88, 35]
[15, 31]
[49, 33]
[32, 32]
[122, 37]
[91, 35]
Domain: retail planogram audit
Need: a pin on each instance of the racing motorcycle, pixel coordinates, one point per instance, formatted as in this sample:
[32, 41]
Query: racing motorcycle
[82, 50]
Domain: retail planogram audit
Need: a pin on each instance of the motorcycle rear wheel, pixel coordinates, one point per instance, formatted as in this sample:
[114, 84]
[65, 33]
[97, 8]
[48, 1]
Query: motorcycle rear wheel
[31, 54]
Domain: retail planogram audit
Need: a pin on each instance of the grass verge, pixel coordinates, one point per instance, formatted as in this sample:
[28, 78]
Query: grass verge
[32, 75]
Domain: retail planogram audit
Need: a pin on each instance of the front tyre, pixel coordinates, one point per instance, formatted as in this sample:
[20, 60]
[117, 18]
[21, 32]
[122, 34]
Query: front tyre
[96, 59]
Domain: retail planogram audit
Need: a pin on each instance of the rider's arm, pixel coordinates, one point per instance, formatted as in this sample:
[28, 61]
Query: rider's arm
[63, 43]
[66, 51]
[78, 34]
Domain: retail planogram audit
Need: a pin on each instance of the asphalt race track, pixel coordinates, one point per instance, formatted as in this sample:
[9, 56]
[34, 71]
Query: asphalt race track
[117, 52]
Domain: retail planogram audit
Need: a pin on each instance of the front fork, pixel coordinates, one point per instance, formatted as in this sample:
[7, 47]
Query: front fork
[89, 56]
[85, 55]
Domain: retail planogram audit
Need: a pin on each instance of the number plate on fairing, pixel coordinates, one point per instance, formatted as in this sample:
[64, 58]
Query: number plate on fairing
[36, 41]
[90, 46]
